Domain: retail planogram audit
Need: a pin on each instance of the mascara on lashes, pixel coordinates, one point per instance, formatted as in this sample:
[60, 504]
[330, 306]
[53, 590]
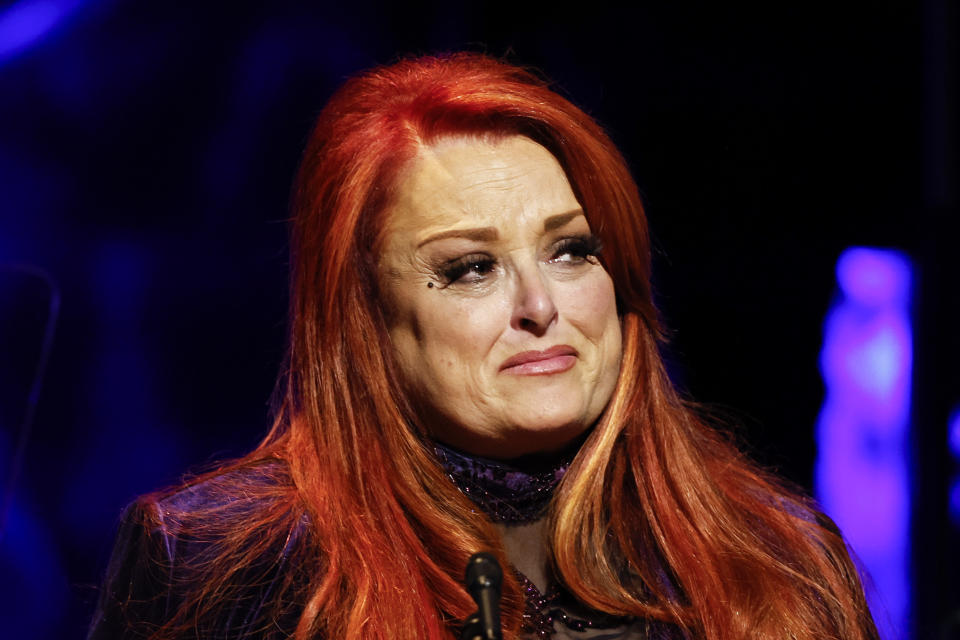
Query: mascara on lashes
[586, 247]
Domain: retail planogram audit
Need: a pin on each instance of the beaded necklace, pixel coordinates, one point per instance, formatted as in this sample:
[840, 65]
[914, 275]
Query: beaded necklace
[542, 610]
[505, 492]
[513, 495]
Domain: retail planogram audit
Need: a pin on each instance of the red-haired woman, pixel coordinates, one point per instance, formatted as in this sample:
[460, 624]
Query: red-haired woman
[473, 365]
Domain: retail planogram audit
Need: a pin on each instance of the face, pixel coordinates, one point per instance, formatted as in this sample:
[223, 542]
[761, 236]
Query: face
[503, 321]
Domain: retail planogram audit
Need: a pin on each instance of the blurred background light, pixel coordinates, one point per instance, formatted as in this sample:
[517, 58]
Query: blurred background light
[955, 501]
[862, 472]
[954, 443]
[27, 22]
[873, 278]
[954, 436]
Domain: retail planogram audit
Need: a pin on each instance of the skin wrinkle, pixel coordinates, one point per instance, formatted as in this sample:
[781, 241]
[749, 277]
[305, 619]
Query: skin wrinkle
[451, 340]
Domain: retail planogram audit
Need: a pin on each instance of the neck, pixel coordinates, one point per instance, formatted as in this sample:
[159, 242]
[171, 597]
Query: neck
[514, 492]
[525, 545]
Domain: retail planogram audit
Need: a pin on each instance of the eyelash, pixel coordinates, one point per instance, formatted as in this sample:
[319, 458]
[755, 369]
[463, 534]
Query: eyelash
[585, 248]
[478, 263]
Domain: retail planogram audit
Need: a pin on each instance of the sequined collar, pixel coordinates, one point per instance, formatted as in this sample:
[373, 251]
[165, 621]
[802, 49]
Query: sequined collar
[506, 492]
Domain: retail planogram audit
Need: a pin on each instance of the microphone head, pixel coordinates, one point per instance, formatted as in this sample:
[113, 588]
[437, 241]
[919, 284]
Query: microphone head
[483, 572]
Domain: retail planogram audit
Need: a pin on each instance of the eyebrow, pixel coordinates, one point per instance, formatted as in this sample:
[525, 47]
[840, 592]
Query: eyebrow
[487, 234]
[561, 219]
[480, 234]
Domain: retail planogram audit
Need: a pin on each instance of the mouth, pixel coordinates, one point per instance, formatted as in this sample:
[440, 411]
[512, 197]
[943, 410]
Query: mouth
[536, 363]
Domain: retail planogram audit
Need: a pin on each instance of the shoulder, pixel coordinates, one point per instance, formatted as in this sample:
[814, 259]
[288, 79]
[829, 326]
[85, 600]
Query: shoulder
[230, 530]
[230, 512]
[228, 487]
[222, 499]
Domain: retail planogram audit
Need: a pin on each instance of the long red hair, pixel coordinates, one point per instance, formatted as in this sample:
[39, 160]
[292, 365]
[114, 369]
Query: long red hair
[658, 516]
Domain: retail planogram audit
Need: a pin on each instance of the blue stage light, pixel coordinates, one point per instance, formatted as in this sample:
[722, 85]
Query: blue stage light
[954, 434]
[874, 278]
[28, 21]
[953, 438]
[862, 473]
[954, 498]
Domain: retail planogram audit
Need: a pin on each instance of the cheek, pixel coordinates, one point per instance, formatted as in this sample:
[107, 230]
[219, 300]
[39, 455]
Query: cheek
[593, 308]
[450, 334]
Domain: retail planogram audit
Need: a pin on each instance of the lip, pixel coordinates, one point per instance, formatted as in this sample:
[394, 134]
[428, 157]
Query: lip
[556, 359]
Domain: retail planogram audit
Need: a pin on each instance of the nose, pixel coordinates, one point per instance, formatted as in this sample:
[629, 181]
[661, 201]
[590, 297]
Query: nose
[534, 309]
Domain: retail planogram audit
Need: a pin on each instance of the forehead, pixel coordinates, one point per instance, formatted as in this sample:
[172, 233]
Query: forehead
[469, 181]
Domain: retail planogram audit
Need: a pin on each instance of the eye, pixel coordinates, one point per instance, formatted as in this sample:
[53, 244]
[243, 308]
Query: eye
[469, 269]
[577, 249]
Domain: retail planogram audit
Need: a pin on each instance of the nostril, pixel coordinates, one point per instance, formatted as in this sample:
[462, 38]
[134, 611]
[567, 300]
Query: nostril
[534, 309]
[533, 326]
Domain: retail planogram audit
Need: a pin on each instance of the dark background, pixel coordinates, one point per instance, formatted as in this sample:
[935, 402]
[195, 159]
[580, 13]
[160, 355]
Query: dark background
[146, 156]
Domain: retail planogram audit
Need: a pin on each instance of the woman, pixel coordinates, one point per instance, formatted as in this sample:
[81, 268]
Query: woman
[473, 365]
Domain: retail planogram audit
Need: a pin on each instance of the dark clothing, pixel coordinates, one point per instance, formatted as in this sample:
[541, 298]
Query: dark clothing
[158, 557]
[159, 554]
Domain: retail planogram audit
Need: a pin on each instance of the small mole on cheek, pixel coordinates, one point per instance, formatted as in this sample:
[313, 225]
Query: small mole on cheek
[429, 285]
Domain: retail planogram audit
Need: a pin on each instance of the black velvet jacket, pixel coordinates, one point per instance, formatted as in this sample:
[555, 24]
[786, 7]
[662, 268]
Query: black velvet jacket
[158, 557]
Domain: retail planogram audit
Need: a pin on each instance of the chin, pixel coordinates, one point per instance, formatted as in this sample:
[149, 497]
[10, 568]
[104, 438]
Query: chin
[543, 438]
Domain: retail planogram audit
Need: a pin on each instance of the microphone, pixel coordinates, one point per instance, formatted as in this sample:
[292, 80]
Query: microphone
[483, 579]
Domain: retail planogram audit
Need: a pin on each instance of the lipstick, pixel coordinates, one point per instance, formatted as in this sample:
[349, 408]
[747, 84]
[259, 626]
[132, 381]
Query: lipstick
[556, 359]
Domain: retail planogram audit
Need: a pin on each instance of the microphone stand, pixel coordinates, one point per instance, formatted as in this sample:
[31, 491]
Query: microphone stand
[483, 579]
